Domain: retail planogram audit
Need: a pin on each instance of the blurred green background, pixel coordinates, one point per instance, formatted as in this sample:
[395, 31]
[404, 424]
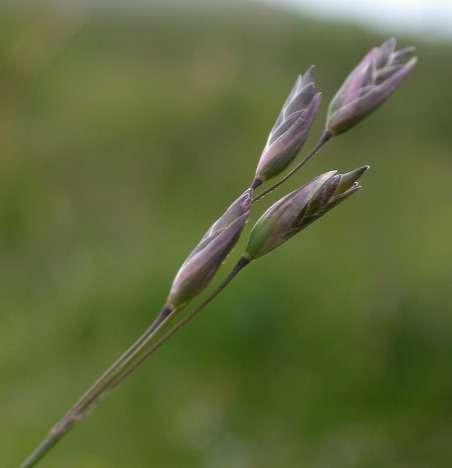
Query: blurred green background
[123, 135]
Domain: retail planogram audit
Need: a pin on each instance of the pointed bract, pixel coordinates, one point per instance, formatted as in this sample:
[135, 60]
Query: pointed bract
[203, 262]
[300, 208]
[291, 128]
[375, 78]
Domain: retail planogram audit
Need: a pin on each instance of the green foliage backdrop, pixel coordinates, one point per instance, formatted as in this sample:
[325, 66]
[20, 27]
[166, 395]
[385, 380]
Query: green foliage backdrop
[122, 136]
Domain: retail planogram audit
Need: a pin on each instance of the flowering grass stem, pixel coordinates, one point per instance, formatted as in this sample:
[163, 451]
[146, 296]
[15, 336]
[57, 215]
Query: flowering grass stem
[360, 95]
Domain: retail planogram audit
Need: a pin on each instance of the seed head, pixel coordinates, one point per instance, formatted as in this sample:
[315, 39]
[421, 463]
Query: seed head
[291, 128]
[203, 262]
[300, 208]
[377, 76]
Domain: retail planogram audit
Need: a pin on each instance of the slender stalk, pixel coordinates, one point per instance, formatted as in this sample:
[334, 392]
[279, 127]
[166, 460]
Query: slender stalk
[243, 261]
[326, 136]
[121, 369]
[98, 389]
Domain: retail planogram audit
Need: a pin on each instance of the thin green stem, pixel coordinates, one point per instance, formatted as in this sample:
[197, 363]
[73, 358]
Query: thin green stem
[243, 261]
[98, 389]
[326, 136]
[121, 369]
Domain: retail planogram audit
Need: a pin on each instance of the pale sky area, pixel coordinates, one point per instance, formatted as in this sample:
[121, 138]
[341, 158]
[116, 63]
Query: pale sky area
[426, 17]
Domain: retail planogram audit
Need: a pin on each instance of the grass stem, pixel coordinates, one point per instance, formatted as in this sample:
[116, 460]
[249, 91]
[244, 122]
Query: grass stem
[127, 363]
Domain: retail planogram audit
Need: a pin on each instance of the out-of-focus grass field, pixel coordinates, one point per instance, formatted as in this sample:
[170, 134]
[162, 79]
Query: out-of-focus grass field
[123, 135]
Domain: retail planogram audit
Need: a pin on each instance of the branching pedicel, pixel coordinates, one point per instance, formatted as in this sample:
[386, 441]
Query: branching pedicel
[377, 76]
